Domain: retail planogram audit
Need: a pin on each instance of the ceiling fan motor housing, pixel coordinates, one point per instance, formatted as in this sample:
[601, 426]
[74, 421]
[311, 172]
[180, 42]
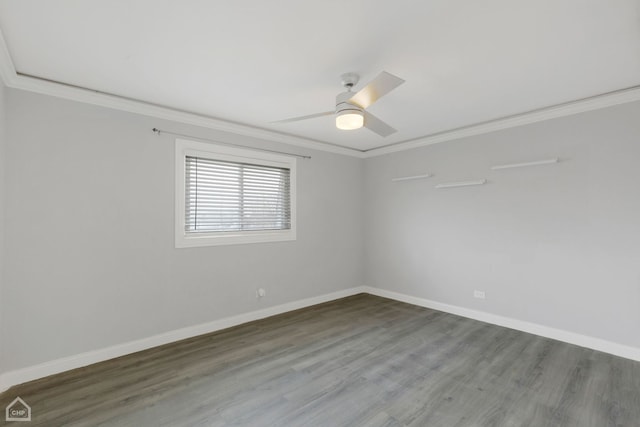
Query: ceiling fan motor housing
[343, 105]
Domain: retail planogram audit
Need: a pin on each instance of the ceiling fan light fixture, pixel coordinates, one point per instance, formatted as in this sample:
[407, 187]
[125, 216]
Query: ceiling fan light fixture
[349, 120]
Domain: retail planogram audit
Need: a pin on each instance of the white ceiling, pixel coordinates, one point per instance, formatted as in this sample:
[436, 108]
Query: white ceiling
[257, 61]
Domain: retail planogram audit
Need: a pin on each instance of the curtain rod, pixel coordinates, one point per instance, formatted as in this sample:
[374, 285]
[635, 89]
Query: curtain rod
[159, 131]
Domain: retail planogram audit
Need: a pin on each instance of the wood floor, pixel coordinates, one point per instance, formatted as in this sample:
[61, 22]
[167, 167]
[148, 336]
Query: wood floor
[358, 361]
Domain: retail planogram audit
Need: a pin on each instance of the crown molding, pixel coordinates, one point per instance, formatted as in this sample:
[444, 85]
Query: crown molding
[60, 90]
[7, 69]
[597, 102]
[15, 80]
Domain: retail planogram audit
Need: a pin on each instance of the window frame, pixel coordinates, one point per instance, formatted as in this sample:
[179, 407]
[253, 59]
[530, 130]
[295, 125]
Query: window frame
[186, 148]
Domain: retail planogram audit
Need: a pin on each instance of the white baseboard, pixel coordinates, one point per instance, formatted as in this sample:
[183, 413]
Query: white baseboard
[19, 376]
[605, 346]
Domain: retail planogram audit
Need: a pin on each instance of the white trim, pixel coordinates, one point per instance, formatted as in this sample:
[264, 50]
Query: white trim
[134, 106]
[59, 90]
[19, 376]
[30, 373]
[12, 79]
[596, 102]
[139, 107]
[33, 84]
[210, 150]
[598, 344]
[7, 69]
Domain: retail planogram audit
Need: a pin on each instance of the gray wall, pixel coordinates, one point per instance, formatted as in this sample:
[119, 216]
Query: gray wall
[90, 258]
[88, 250]
[557, 245]
[3, 127]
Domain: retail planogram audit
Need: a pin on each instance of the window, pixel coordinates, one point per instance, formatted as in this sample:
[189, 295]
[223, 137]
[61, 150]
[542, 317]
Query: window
[228, 195]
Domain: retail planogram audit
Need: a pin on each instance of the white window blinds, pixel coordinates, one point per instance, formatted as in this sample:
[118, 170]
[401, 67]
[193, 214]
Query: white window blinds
[224, 196]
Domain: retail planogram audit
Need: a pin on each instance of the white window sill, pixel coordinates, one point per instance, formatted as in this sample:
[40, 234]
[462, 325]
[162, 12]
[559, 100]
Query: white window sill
[216, 239]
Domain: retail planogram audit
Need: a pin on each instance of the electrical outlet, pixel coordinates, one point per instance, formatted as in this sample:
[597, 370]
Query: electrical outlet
[478, 294]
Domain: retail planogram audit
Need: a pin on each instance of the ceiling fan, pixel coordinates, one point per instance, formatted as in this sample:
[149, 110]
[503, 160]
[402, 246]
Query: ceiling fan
[351, 107]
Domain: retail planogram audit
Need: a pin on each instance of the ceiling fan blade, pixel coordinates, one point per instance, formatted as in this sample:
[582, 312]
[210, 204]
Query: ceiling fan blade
[311, 116]
[376, 125]
[376, 89]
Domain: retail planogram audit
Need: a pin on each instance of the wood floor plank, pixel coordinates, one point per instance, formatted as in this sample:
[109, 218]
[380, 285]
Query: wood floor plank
[358, 361]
